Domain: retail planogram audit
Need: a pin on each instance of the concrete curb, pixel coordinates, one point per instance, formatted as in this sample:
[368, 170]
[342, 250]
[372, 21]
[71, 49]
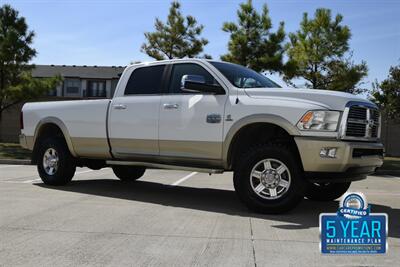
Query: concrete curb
[16, 161]
[388, 172]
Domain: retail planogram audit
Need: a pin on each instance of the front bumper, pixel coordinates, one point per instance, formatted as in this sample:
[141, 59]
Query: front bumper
[353, 160]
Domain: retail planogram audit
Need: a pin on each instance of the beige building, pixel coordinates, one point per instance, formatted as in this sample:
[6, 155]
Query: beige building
[81, 81]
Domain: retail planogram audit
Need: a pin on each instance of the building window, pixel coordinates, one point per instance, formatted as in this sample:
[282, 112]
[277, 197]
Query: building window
[96, 89]
[72, 86]
[52, 92]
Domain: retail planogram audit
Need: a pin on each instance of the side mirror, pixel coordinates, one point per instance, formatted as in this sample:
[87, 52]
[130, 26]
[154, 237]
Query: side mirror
[197, 83]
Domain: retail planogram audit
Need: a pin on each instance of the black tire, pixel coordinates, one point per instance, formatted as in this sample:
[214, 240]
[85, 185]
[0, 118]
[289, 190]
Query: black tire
[243, 182]
[326, 192]
[65, 167]
[128, 173]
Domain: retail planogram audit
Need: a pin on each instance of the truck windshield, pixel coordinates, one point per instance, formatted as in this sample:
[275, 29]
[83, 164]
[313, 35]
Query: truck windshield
[243, 77]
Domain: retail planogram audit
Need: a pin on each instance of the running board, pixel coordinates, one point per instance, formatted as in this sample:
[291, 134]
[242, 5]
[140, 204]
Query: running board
[162, 166]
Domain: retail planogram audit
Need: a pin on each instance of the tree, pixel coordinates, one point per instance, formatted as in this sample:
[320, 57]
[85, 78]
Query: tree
[177, 38]
[319, 53]
[16, 82]
[387, 94]
[252, 43]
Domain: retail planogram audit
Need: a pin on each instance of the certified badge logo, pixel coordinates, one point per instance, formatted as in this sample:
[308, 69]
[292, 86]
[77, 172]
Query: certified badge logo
[353, 206]
[353, 229]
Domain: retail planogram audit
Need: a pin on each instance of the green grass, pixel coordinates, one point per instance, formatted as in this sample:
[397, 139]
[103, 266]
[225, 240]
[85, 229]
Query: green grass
[13, 151]
[391, 164]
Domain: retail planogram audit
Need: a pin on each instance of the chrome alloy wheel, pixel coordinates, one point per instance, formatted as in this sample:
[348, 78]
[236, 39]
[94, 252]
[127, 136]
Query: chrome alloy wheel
[270, 179]
[50, 161]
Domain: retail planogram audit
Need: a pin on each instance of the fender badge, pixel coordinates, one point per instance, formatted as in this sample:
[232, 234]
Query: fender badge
[229, 117]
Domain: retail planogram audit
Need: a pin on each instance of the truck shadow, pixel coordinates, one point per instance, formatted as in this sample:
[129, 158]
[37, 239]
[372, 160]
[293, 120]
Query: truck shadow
[304, 216]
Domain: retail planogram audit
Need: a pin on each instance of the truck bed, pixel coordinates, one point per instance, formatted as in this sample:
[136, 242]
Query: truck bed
[83, 120]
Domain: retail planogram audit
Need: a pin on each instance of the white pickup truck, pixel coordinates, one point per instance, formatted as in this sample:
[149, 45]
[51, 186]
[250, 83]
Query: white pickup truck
[282, 144]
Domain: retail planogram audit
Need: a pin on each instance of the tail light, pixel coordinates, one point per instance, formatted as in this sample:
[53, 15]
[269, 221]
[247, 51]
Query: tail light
[21, 121]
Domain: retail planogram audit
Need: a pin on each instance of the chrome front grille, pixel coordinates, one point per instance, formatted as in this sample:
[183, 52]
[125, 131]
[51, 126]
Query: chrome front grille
[358, 113]
[355, 129]
[362, 122]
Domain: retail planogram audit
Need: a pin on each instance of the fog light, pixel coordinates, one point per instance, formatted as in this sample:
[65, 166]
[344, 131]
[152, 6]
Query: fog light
[328, 152]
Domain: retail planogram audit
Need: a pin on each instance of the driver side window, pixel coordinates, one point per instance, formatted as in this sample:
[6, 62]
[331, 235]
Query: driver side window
[243, 82]
[179, 70]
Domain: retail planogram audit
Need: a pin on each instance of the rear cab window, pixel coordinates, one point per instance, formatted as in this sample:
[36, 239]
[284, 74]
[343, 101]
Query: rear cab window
[145, 81]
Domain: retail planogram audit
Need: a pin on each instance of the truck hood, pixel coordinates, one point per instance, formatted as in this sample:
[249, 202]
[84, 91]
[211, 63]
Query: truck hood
[328, 99]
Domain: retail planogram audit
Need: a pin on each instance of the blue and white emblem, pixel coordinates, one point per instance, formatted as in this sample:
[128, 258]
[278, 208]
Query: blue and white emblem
[353, 206]
[353, 229]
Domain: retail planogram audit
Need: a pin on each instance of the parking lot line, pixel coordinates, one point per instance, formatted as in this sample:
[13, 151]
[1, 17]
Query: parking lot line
[38, 179]
[86, 171]
[7, 166]
[31, 181]
[184, 178]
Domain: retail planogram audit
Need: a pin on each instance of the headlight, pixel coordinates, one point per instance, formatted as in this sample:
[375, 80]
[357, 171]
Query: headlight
[319, 120]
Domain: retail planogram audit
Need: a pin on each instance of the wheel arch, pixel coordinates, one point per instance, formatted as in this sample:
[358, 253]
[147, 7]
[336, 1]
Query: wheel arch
[49, 125]
[266, 121]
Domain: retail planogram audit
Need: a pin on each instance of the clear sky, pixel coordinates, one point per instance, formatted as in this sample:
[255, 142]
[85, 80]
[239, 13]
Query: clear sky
[107, 32]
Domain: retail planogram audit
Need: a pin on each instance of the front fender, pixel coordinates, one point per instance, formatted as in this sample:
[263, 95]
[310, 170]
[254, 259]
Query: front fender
[256, 118]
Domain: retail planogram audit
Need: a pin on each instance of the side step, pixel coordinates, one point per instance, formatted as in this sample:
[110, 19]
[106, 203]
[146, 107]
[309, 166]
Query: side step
[163, 166]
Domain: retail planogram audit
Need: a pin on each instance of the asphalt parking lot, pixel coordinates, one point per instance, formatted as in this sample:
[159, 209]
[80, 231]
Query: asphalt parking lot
[167, 218]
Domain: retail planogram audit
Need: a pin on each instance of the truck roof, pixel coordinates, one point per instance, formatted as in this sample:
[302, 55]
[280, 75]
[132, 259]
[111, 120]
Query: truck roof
[171, 61]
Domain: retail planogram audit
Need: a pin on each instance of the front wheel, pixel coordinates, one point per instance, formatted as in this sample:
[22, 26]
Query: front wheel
[326, 191]
[268, 179]
[128, 173]
[56, 166]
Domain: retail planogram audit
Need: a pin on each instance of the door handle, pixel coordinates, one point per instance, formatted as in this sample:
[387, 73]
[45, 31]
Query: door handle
[119, 106]
[171, 106]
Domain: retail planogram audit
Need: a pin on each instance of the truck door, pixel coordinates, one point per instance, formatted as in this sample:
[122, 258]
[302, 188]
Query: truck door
[134, 113]
[191, 124]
